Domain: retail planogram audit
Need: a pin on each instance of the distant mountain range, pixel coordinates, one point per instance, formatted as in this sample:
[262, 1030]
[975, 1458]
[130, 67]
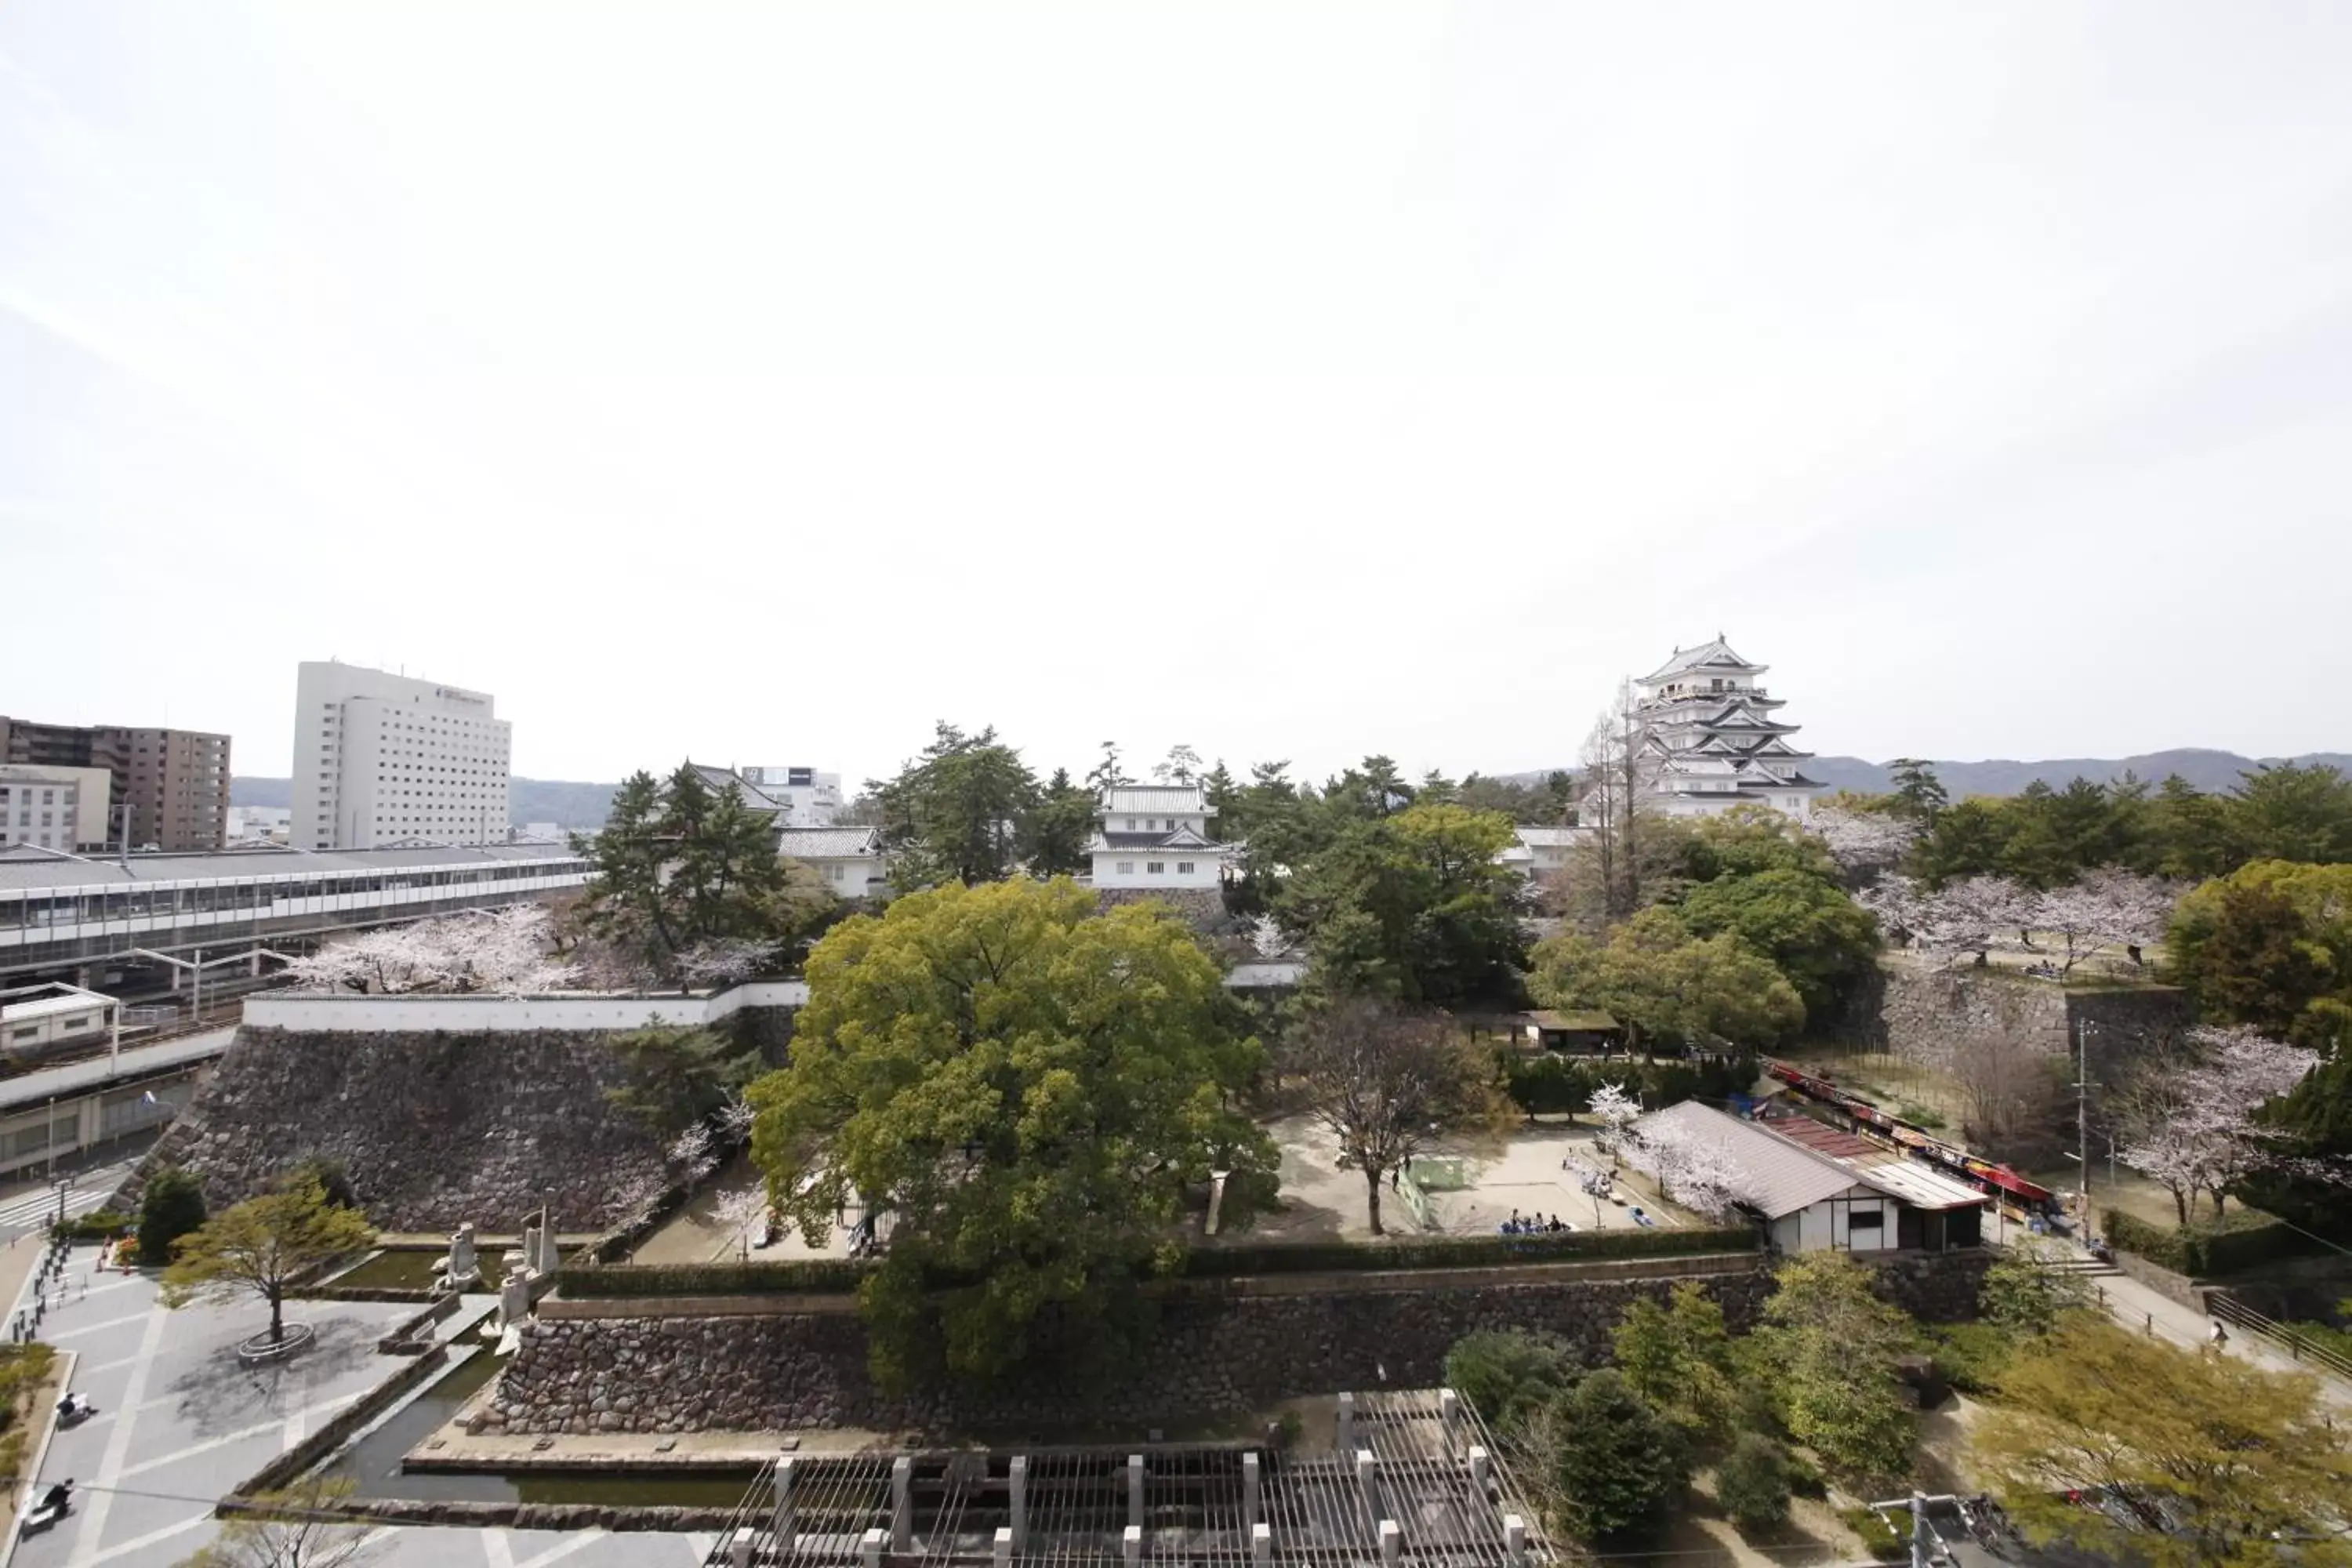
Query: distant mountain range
[566, 804]
[2207, 770]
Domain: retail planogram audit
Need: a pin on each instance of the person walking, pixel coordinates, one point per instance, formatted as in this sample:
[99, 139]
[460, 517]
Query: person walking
[2219, 1338]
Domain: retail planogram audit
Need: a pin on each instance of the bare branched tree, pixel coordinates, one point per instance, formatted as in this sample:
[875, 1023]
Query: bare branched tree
[1384, 1081]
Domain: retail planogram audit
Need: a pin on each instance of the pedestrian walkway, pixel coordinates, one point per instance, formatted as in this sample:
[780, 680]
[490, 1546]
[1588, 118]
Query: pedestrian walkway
[2151, 1311]
[181, 1421]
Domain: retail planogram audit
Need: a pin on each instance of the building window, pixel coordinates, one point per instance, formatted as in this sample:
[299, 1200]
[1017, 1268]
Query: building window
[1156, 868]
[1131, 824]
[1183, 867]
[1127, 867]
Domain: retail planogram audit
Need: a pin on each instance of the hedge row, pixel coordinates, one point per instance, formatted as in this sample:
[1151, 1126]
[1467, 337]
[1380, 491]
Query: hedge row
[1550, 1083]
[833, 1276]
[103, 1225]
[2240, 1241]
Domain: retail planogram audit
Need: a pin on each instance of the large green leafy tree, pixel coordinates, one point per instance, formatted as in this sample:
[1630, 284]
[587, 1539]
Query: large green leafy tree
[1060, 827]
[679, 866]
[1411, 905]
[2209, 1460]
[1026, 1091]
[1617, 1466]
[1831, 1347]
[1666, 985]
[1918, 793]
[958, 811]
[1678, 1357]
[2270, 945]
[2294, 813]
[1817, 936]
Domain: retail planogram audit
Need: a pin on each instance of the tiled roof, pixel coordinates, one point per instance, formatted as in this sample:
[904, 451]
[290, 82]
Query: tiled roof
[829, 843]
[1782, 1177]
[1146, 800]
[1716, 655]
[1182, 838]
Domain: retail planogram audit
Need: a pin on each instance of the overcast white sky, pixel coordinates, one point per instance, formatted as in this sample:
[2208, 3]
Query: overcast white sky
[767, 382]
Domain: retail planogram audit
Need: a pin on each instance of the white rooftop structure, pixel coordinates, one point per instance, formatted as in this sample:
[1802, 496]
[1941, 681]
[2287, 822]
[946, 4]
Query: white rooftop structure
[1155, 836]
[1710, 738]
[1813, 1201]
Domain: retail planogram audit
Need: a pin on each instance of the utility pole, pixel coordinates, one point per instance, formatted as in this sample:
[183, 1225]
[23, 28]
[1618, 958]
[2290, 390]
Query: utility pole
[2082, 1120]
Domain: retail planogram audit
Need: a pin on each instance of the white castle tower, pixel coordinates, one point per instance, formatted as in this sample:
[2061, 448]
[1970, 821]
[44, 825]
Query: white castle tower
[1709, 740]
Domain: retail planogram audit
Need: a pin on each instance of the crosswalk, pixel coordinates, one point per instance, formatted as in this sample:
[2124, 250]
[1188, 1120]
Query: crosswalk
[33, 1208]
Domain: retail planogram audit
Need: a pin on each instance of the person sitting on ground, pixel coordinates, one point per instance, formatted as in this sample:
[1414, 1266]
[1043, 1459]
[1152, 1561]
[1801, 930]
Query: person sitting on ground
[1555, 1226]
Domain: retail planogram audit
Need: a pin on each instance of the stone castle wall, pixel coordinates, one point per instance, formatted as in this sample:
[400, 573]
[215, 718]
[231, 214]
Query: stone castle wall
[433, 1130]
[1210, 1354]
[1986, 1027]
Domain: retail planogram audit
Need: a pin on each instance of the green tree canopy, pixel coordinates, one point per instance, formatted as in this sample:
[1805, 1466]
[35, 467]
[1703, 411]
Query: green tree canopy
[1668, 986]
[1409, 904]
[1678, 1357]
[1026, 1091]
[958, 811]
[258, 1246]
[2209, 1461]
[1060, 829]
[2270, 945]
[1617, 1466]
[1830, 1347]
[2292, 812]
[172, 1207]
[1814, 934]
[1510, 1375]
[1919, 794]
[680, 867]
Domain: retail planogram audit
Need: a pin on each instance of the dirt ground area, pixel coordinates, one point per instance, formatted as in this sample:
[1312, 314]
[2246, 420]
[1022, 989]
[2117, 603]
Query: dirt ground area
[725, 1221]
[1531, 1172]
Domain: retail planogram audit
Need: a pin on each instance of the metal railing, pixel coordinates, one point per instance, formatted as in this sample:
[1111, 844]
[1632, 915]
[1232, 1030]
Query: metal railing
[2288, 1338]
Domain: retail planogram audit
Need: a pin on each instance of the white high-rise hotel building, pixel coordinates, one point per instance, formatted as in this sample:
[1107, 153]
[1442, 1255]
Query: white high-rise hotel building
[381, 758]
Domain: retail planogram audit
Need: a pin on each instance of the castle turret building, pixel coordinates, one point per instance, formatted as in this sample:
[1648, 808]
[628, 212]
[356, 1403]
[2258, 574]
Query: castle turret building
[1710, 740]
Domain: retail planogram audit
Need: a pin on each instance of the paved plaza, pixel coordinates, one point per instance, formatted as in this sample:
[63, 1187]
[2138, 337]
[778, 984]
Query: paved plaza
[1533, 1171]
[181, 1422]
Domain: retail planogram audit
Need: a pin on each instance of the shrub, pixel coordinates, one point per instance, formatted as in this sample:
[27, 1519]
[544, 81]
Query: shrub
[2238, 1241]
[103, 1225]
[174, 1205]
[1972, 1356]
[1508, 1375]
[1805, 1477]
[332, 1178]
[1617, 1464]
[1752, 1482]
[1879, 1536]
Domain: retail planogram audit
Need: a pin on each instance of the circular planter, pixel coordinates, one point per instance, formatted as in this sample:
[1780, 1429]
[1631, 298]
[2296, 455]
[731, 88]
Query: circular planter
[261, 1347]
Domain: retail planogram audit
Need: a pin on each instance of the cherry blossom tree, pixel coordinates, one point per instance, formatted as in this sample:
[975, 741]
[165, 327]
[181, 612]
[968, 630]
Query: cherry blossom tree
[724, 961]
[1864, 844]
[501, 951]
[2108, 906]
[1691, 1169]
[1617, 1110]
[1266, 937]
[2191, 1126]
[1962, 920]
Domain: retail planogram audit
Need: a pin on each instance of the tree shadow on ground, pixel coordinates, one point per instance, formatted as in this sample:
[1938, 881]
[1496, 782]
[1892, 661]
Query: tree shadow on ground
[221, 1394]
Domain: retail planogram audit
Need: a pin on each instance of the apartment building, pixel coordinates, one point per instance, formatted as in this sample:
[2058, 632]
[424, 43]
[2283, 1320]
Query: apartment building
[176, 782]
[58, 808]
[388, 759]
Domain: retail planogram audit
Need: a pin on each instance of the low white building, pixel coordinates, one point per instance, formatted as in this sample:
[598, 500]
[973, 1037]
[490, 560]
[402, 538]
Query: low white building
[259, 825]
[1865, 1199]
[848, 860]
[1540, 852]
[1155, 836]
